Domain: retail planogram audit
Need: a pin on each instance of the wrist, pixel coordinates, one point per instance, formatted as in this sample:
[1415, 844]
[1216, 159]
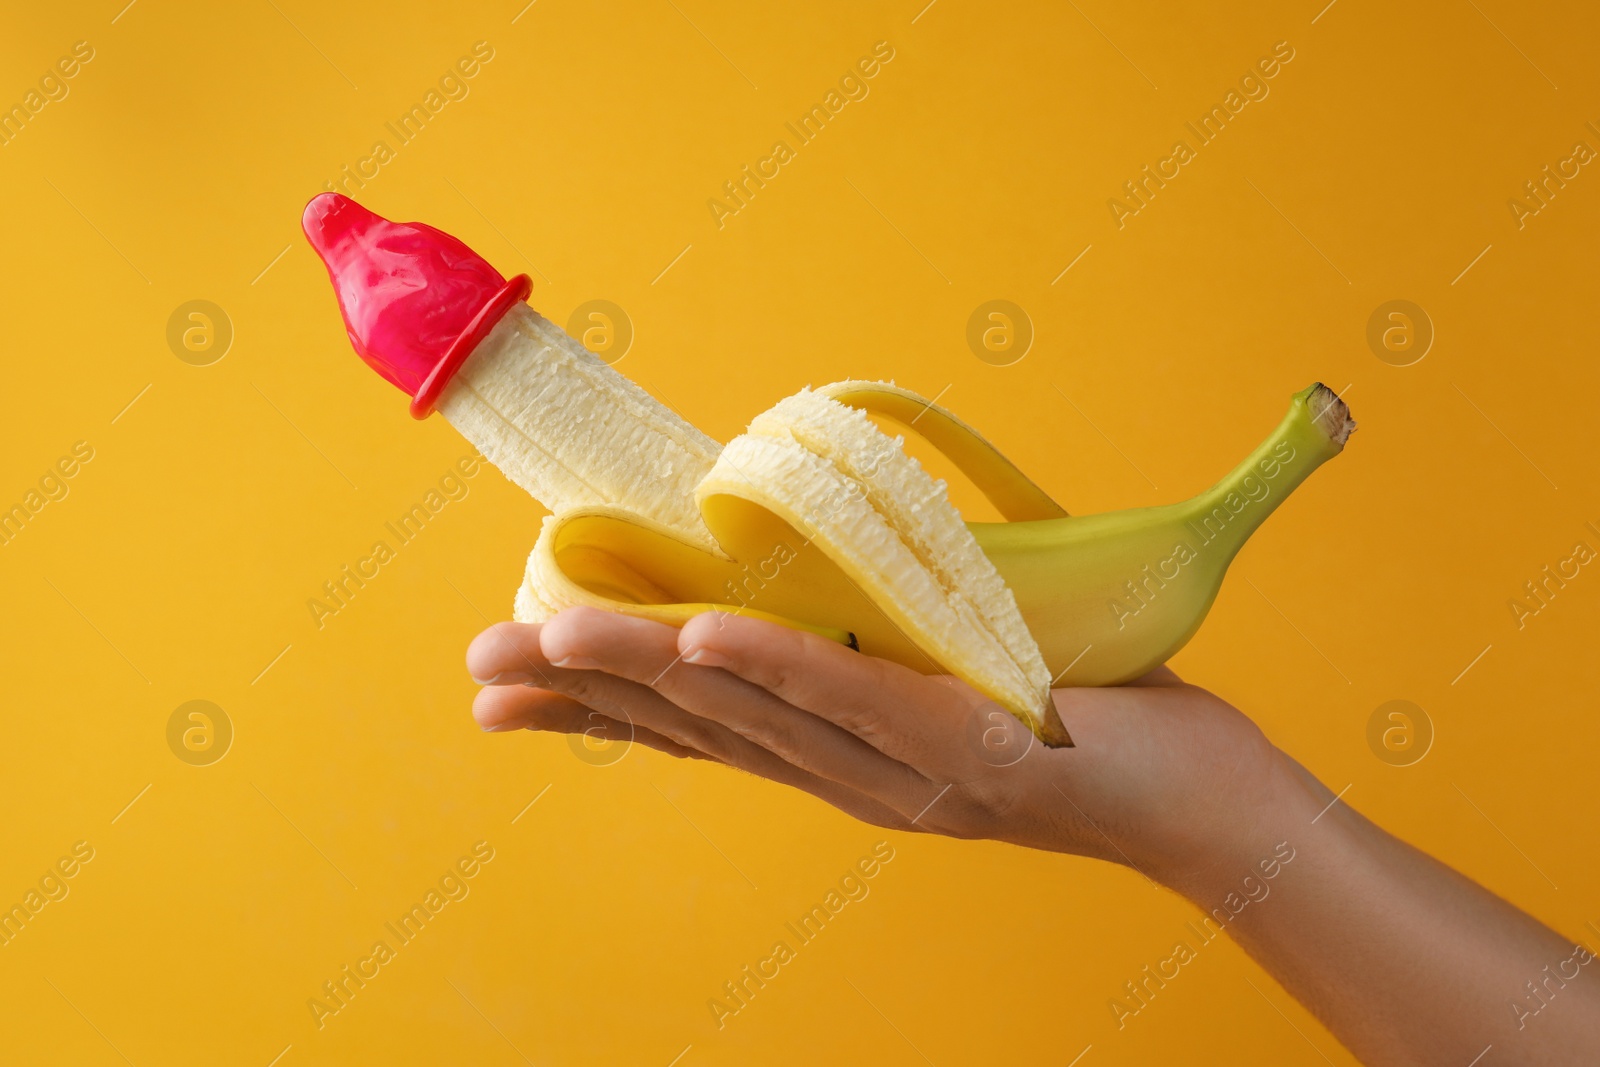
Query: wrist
[1248, 841]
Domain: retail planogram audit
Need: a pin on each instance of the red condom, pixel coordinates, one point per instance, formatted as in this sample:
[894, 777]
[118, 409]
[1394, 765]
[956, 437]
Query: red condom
[415, 300]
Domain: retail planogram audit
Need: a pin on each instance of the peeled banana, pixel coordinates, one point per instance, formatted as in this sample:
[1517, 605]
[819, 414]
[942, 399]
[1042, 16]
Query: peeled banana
[813, 517]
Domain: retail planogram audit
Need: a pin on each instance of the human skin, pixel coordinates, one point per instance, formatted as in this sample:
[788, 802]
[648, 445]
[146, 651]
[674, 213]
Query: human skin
[1403, 959]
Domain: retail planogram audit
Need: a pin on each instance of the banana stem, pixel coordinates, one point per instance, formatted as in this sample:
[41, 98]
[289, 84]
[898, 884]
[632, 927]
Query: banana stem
[1314, 430]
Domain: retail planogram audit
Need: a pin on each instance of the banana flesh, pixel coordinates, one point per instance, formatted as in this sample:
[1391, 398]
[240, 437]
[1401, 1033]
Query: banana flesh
[563, 425]
[859, 512]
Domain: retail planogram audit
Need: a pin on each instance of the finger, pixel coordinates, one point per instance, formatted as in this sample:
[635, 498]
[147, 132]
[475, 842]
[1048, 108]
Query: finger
[518, 707]
[647, 653]
[501, 655]
[907, 716]
[512, 648]
[633, 705]
[514, 707]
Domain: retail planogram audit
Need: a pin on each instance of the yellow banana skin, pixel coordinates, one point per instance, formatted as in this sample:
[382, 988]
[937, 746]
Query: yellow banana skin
[1107, 597]
[1112, 596]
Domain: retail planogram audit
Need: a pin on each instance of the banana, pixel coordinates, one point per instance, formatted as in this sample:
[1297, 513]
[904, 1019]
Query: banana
[571, 431]
[1111, 596]
[814, 517]
[821, 517]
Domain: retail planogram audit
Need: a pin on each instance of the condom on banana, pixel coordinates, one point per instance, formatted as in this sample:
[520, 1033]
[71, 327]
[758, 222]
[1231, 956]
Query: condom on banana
[814, 517]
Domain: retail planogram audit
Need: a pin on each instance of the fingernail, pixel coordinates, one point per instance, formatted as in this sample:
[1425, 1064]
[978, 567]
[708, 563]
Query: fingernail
[577, 663]
[701, 656]
[507, 678]
[498, 727]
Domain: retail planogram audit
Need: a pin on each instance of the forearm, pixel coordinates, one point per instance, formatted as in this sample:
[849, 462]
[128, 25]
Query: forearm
[1403, 959]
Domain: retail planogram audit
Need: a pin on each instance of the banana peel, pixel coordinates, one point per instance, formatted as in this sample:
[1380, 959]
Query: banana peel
[1108, 597]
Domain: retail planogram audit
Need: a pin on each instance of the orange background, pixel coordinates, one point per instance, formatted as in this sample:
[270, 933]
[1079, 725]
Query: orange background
[178, 565]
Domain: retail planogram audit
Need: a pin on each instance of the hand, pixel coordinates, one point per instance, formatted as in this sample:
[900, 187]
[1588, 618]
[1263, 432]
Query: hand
[1164, 777]
[1404, 959]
